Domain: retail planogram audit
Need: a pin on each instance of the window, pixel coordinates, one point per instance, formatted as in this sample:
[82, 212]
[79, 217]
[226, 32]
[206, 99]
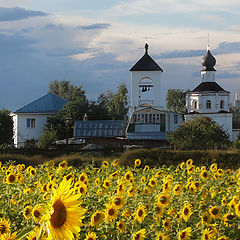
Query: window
[208, 104]
[222, 104]
[31, 122]
[175, 119]
[194, 104]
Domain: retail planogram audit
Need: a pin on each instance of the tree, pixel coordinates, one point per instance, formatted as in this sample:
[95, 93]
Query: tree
[200, 133]
[6, 127]
[176, 100]
[68, 91]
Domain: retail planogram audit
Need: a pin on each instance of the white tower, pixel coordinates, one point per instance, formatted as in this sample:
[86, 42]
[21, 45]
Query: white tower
[208, 98]
[146, 83]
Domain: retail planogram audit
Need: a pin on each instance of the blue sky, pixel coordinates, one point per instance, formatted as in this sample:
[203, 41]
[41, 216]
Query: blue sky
[95, 43]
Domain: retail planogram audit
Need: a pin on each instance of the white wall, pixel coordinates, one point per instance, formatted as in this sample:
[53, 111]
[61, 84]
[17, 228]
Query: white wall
[22, 132]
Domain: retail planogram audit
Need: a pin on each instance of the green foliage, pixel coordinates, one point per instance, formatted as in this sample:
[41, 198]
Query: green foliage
[47, 139]
[176, 100]
[236, 117]
[6, 127]
[201, 133]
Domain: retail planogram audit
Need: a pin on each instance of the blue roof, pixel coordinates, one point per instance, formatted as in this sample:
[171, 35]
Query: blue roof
[99, 128]
[49, 103]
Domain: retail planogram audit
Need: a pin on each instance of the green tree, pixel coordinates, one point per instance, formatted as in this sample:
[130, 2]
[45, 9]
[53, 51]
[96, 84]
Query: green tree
[6, 127]
[68, 91]
[200, 133]
[176, 100]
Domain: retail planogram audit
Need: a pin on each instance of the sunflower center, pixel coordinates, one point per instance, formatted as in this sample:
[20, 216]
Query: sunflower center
[215, 211]
[59, 215]
[137, 236]
[120, 225]
[11, 178]
[205, 218]
[163, 199]
[182, 235]
[27, 211]
[186, 211]
[2, 229]
[140, 213]
[81, 190]
[230, 217]
[82, 178]
[36, 214]
[96, 217]
[111, 212]
[117, 201]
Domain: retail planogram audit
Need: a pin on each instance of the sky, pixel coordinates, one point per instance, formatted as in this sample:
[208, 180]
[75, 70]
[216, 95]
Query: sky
[94, 44]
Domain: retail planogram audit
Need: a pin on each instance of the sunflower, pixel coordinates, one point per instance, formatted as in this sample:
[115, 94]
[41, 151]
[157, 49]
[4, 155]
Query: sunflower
[177, 189]
[152, 182]
[65, 215]
[213, 229]
[191, 170]
[107, 183]
[189, 162]
[143, 179]
[161, 236]
[206, 218]
[141, 213]
[237, 208]
[167, 224]
[4, 227]
[83, 177]
[137, 162]
[9, 236]
[62, 165]
[111, 213]
[223, 238]
[82, 189]
[186, 211]
[146, 168]
[121, 226]
[131, 191]
[224, 201]
[215, 212]
[44, 187]
[69, 176]
[213, 167]
[105, 164]
[37, 212]
[97, 181]
[128, 175]
[158, 212]
[97, 218]
[207, 235]
[27, 212]
[121, 188]
[163, 200]
[115, 162]
[33, 171]
[118, 201]
[91, 236]
[185, 234]
[11, 178]
[114, 174]
[140, 235]
[227, 218]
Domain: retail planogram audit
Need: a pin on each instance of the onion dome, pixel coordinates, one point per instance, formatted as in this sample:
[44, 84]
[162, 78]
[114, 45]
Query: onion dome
[208, 61]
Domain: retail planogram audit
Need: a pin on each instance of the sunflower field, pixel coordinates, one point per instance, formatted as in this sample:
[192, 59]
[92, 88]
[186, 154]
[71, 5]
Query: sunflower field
[60, 202]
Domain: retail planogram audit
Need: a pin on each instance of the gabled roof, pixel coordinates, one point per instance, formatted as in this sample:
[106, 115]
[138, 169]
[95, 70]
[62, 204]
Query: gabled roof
[208, 87]
[49, 103]
[99, 128]
[146, 63]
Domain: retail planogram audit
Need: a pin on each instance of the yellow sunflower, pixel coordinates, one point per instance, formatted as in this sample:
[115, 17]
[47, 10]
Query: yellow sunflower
[107, 183]
[207, 234]
[11, 178]
[83, 177]
[215, 212]
[121, 188]
[97, 218]
[223, 238]
[62, 165]
[27, 212]
[137, 162]
[152, 182]
[177, 189]
[189, 162]
[65, 215]
[140, 235]
[161, 236]
[37, 212]
[146, 168]
[167, 224]
[163, 200]
[141, 213]
[118, 201]
[185, 234]
[131, 191]
[128, 175]
[206, 218]
[186, 211]
[213, 167]
[143, 179]
[105, 164]
[4, 227]
[121, 226]
[228, 217]
[82, 189]
[91, 236]
[111, 213]
[237, 208]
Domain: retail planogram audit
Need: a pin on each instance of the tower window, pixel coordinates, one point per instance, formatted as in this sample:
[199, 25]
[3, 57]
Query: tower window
[208, 104]
[222, 104]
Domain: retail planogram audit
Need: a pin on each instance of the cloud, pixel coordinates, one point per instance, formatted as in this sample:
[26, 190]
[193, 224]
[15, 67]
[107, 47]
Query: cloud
[51, 26]
[95, 26]
[181, 54]
[61, 52]
[17, 13]
[226, 74]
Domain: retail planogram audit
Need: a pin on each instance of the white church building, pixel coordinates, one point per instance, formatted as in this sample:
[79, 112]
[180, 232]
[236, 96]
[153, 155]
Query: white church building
[209, 98]
[148, 119]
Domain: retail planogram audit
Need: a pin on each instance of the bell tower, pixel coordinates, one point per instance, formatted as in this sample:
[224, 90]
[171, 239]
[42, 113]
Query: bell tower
[146, 83]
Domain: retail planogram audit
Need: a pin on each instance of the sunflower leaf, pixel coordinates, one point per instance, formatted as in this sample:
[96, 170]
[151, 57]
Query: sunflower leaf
[23, 233]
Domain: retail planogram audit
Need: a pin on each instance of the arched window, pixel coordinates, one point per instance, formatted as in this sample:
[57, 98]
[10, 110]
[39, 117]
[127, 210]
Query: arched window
[194, 104]
[208, 104]
[221, 104]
